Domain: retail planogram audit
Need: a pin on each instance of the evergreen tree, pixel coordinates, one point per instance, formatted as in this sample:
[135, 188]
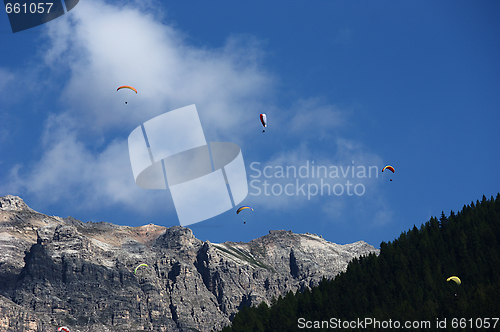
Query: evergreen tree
[407, 281]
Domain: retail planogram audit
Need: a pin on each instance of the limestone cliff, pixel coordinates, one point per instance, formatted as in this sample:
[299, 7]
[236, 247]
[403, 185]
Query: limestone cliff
[56, 272]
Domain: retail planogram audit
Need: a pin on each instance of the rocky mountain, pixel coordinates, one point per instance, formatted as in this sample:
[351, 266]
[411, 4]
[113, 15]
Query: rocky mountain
[56, 272]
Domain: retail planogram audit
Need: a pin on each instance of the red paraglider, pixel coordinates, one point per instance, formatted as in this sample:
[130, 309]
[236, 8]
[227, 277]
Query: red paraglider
[263, 120]
[390, 168]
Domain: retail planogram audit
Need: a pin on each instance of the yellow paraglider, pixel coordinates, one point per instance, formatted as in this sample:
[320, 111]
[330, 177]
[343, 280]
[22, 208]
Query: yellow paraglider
[243, 208]
[245, 214]
[455, 279]
[135, 271]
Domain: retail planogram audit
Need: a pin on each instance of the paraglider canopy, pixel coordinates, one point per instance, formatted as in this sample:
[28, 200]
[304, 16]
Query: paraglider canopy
[263, 120]
[245, 214]
[455, 279]
[390, 168]
[127, 87]
[243, 208]
[63, 329]
[135, 271]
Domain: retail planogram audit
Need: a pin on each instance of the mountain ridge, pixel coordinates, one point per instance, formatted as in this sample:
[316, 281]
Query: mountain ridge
[60, 271]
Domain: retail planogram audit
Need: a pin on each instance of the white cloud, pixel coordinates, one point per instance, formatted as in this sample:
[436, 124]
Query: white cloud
[70, 172]
[105, 46]
[6, 78]
[11, 84]
[84, 158]
[100, 47]
[342, 157]
[312, 117]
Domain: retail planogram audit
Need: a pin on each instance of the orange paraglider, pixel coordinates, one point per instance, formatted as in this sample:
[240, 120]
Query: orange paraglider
[127, 87]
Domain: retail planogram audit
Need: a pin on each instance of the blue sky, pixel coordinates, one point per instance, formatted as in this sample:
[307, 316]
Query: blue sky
[411, 84]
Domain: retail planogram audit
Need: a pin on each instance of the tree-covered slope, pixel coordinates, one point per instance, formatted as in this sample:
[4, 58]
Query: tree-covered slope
[406, 282]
